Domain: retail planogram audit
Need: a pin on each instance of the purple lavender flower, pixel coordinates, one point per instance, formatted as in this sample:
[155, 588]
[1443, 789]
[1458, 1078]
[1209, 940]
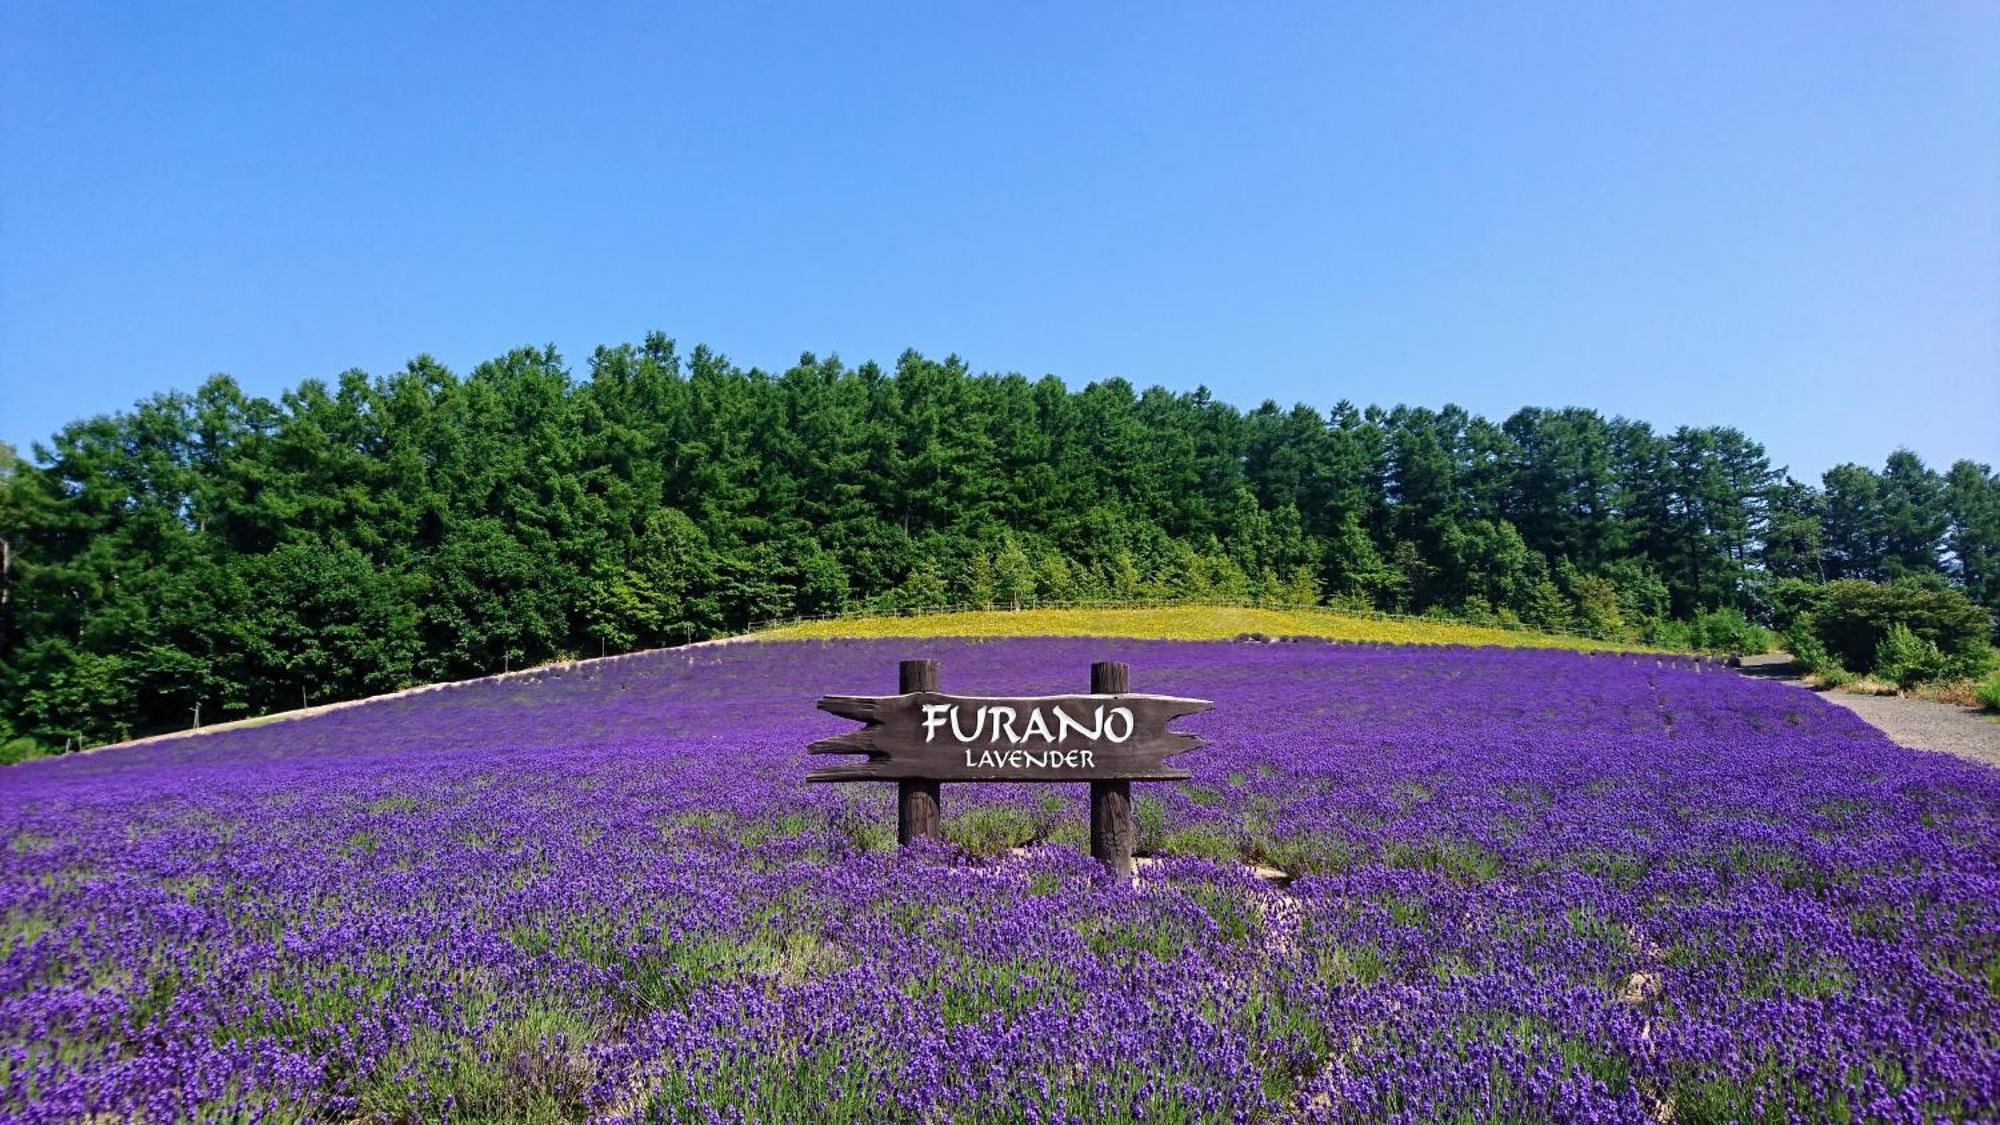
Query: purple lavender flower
[1533, 885]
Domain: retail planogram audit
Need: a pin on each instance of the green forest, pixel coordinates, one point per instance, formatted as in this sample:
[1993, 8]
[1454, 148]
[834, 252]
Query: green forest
[216, 555]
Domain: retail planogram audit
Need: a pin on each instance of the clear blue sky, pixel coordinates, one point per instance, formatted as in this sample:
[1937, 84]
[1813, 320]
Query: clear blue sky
[1782, 218]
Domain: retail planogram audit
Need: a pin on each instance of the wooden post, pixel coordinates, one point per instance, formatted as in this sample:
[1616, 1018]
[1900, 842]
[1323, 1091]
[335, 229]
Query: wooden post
[918, 803]
[1111, 801]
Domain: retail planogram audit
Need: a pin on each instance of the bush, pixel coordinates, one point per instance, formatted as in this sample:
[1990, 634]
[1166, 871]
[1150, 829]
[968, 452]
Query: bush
[20, 750]
[1973, 665]
[1727, 630]
[1852, 618]
[1908, 659]
[1989, 693]
[1808, 652]
[1666, 632]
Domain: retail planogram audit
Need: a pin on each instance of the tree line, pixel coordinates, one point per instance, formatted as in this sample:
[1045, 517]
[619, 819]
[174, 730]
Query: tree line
[225, 554]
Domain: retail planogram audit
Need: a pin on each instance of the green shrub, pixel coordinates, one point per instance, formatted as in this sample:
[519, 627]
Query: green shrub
[1908, 659]
[1727, 630]
[20, 750]
[1808, 651]
[1989, 693]
[1668, 633]
[1852, 618]
[1974, 664]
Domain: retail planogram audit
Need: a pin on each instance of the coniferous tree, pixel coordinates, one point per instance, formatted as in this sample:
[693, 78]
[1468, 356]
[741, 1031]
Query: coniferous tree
[1972, 530]
[1853, 526]
[1911, 499]
[236, 554]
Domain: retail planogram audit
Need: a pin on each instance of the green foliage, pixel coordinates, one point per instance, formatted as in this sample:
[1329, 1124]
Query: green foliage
[1973, 664]
[1988, 692]
[1013, 576]
[1908, 659]
[988, 830]
[531, 1068]
[1302, 589]
[14, 750]
[925, 588]
[980, 586]
[1594, 599]
[228, 555]
[1728, 630]
[1852, 620]
[1200, 841]
[1808, 651]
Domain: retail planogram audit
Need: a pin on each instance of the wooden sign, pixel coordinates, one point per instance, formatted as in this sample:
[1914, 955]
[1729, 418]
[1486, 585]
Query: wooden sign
[922, 737]
[1034, 738]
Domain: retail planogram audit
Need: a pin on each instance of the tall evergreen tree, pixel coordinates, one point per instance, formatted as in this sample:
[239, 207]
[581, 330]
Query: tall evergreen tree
[1911, 500]
[1972, 530]
[1855, 531]
[232, 554]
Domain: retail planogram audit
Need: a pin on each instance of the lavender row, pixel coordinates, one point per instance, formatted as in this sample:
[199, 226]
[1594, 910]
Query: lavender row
[1524, 885]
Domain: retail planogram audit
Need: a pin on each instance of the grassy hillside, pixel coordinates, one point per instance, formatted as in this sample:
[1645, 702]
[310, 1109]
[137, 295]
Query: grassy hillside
[1186, 623]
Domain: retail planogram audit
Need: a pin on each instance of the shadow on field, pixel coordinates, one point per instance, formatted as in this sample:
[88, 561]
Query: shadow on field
[1770, 666]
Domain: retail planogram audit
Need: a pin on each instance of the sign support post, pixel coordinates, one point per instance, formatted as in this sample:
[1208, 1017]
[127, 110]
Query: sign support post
[919, 802]
[1111, 832]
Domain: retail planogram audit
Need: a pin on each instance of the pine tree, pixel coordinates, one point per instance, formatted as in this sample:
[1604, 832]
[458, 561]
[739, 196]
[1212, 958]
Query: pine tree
[924, 589]
[1013, 575]
[981, 587]
[1303, 587]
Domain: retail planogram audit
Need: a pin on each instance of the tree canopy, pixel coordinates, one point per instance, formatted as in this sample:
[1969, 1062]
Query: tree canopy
[226, 552]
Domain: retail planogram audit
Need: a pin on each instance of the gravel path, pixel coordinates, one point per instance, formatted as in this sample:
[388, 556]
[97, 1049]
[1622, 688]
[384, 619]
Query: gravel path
[1917, 723]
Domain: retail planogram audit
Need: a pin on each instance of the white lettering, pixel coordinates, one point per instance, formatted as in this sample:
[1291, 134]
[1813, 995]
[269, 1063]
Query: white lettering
[1065, 724]
[1115, 712]
[1005, 726]
[1037, 723]
[1018, 738]
[978, 725]
[934, 717]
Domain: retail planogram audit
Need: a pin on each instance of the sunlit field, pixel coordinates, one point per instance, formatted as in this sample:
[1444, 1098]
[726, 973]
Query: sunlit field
[1499, 884]
[1190, 623]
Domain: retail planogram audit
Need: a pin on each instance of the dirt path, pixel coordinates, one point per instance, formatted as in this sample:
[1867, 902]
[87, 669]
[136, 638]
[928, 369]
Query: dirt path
[1917, 723]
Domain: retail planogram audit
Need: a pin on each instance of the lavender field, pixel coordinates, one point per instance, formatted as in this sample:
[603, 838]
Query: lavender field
[1534, 886]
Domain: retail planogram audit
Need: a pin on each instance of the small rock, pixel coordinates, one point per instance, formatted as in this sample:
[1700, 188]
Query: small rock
[1640, 988]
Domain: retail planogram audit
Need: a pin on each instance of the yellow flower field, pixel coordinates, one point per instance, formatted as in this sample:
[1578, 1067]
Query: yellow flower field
[1187, 623]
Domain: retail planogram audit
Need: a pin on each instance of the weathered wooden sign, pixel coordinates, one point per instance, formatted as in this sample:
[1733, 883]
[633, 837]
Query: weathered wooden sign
[922, 737]
[1034, 738]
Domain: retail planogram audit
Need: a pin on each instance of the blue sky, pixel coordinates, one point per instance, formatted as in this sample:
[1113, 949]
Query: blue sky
[1785, 218]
